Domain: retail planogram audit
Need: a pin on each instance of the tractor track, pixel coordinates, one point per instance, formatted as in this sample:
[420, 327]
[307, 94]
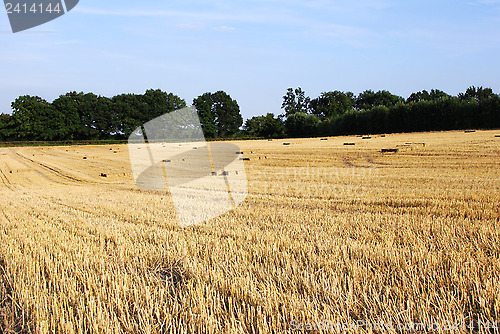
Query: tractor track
[5, 181]
[21, 159]
[53, 170]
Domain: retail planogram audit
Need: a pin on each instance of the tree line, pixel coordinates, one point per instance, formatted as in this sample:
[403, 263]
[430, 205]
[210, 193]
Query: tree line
[343, 113]
[86, 116]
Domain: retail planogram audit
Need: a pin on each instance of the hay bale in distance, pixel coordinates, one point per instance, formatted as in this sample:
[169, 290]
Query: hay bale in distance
[286, 144]
[349, 144]
[390, 150]
[367, 137]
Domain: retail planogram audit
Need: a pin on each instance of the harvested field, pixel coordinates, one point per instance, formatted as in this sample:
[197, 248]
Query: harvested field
[328, 233]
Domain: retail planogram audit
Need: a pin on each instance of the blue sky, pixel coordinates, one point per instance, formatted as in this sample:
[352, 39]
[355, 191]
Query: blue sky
[254, 50]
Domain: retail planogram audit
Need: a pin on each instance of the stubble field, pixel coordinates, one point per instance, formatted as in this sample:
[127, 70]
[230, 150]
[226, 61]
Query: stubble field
[329, 235]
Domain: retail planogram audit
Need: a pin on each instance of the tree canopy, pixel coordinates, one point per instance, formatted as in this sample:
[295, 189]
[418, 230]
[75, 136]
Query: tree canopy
[332, 104]
[369, 99]
[295, 101]
[433, 95]
[219, 114]
[87, 116]
[267, 126]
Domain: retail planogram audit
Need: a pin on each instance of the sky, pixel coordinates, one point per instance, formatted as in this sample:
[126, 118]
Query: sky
[254, 50]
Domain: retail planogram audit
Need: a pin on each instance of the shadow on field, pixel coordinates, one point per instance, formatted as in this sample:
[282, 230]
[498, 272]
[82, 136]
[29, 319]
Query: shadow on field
[173, 275]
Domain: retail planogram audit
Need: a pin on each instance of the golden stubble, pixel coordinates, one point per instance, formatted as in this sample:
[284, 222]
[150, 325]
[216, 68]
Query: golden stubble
[328, 232]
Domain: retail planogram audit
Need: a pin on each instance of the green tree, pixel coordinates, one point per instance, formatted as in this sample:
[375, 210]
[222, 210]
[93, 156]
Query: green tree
[206, 112]
[301, 125]
[86, 116]
[6, 131]
[96, 114]
[369, 99]
[133, 110]
[295, 101]
[434, 95]
[157, 103]
[36, 119]
[265, 126]
[476, 94]
[69, 106]
[490, 112]
[332, 104]
[219, 114]
[128, 110]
